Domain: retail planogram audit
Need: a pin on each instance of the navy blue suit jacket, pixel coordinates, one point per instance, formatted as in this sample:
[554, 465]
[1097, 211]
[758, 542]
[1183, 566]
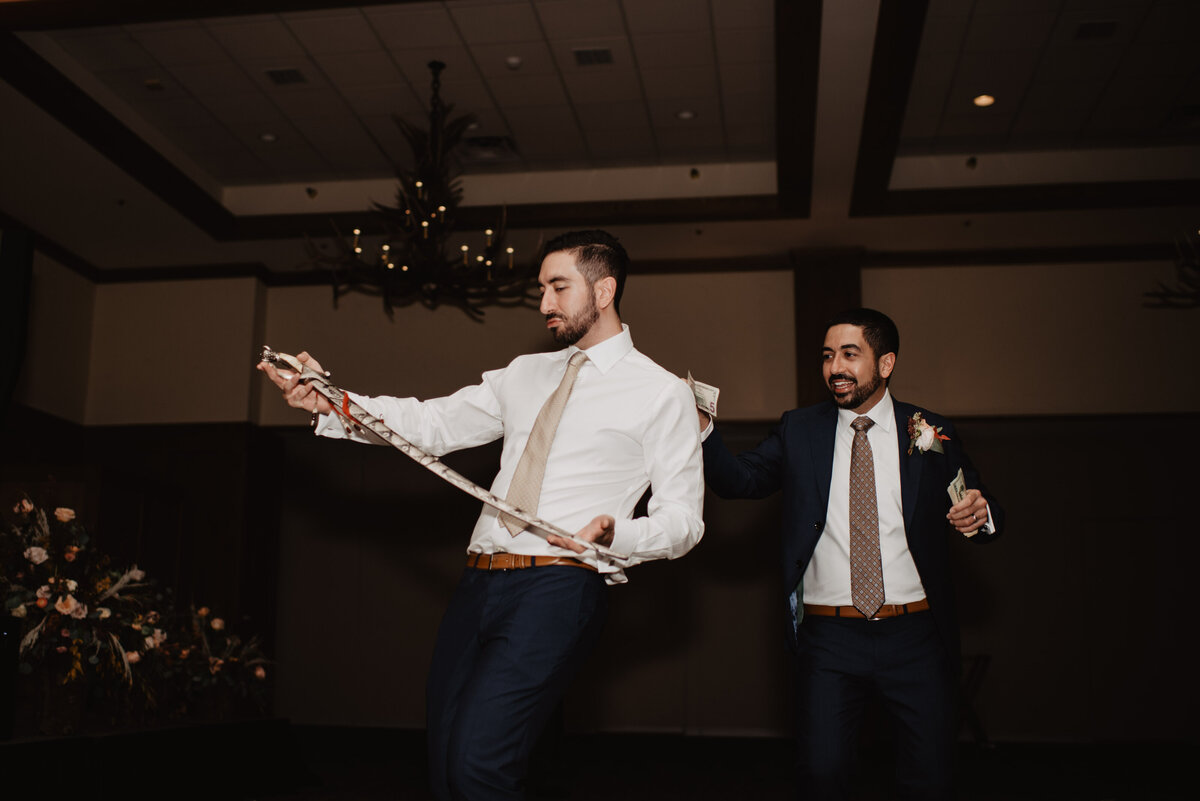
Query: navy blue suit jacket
[797, 458]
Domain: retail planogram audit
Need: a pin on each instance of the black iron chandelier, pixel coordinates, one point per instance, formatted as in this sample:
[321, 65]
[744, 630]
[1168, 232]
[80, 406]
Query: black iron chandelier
[419, 258]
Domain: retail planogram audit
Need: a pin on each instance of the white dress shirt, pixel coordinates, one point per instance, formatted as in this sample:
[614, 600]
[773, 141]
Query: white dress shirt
[628, 425]
[827, 578]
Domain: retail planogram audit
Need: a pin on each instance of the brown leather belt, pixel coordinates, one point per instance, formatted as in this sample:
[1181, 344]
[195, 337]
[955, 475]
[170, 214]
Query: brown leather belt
[887, 610]
[517, 561]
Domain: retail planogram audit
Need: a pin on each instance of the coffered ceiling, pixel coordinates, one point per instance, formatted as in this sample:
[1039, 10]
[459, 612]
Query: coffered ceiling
[785, 124]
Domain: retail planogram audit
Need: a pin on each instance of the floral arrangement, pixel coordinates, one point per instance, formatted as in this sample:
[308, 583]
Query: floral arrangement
[87, 622]
[923, 436]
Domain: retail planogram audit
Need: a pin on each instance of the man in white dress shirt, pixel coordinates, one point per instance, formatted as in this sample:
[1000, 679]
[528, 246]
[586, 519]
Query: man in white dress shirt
[527, 610]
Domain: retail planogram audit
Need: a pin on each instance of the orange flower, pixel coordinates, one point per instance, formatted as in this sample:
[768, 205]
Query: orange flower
[43, 603]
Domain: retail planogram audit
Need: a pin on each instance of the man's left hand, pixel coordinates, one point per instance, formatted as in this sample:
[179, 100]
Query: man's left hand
[970, 514]
[600, 531]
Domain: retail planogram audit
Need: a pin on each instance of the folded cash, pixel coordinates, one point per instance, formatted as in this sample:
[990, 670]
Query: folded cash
[705, 394]
[958, 491]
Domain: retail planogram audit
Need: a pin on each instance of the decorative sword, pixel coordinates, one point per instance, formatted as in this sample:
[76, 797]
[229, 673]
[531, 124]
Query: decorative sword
[358, 417]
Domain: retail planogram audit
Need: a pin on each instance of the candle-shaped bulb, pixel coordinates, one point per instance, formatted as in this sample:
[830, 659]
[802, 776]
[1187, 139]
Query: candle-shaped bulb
[357, 232]
[489, 233]
[509, 251]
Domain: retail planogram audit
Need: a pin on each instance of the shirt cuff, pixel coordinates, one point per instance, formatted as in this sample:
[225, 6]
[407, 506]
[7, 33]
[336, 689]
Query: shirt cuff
[708, 429]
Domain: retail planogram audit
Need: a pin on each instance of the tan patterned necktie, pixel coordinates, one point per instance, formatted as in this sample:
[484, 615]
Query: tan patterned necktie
[526, 487]
[866, 567]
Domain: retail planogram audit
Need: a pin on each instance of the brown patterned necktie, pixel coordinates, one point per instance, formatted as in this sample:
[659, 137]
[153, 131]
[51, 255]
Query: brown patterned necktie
[866, 567]
[525, 489]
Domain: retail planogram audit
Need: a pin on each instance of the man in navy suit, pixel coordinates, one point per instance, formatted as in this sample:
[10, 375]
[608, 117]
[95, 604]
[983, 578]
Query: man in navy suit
[867, 520]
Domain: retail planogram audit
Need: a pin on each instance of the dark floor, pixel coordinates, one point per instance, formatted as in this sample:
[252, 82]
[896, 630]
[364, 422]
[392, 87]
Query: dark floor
[274, 761]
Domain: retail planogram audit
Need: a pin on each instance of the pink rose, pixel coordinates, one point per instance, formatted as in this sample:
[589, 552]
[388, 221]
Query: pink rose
[36, 554]
[202, 611]
[79, 612]
[44, 592]
[133, 657]
[218, 624]
[260, 672]
[64, 515]
[19, 611]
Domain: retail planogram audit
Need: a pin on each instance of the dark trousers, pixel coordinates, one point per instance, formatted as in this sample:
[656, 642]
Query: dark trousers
[841, 662]
[508, 645]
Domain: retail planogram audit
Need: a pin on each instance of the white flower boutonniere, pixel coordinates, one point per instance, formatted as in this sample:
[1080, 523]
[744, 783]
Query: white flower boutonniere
[923, 436]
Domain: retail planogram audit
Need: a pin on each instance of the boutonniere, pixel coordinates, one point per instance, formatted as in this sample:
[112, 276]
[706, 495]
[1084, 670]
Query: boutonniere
[923, 436]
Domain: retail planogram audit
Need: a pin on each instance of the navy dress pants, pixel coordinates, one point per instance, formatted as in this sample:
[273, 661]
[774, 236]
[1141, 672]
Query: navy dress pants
[840, 664]
[508, 646]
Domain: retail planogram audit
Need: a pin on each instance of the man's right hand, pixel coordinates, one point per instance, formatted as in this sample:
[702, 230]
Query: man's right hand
[704, 419]
[300, 396]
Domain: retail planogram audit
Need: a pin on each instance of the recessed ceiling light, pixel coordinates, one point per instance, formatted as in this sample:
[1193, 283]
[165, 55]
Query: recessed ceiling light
[513, 62]
[268, 137]
[983, 101]
[685, 114]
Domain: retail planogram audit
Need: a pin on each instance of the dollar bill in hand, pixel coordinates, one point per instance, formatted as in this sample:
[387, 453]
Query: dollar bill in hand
[958, 491]
[705, 394]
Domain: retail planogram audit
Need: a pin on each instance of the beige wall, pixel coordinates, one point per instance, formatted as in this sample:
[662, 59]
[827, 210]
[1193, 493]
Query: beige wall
[172, 352]
[1038, 339]
[995, 340]
[56, 371]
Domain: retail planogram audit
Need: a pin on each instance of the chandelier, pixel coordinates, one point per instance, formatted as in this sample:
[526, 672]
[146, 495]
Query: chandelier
[419, 258]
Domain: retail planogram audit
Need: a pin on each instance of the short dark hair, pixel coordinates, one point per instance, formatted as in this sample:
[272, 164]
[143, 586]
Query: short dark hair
[878, 329]
[597, 254]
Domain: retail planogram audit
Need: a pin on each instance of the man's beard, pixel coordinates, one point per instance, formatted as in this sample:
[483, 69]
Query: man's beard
[575, 328]
[858, 396]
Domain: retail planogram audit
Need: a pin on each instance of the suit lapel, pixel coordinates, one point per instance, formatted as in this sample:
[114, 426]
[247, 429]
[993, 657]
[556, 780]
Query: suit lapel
[910, 465]
[823, 436]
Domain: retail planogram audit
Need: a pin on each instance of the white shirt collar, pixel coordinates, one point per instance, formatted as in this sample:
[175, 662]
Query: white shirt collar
[883, 414]
[607, 353]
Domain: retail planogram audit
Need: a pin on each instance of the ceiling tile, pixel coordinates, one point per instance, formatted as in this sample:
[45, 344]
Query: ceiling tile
[1132, 93]
[944, 32]
[1128, 20]
[931, 82]
[204, 80]
[1073, 62]
[402, 27]
[414, 64]
[608, 117]
[509, 22]
[1174, 58]
[688, 49]
[314, 102]
[258, 70]
[1045, 98]
[745, 45]
[984, 7]
[388, 139]
[756, 78]
[332, 31]
[621, 143]
[528, 120]
[666, 16]
[112, 50]
[535, 58]
[1171, 22]
[665, 113]
[679, 82]
[976, 125]
[1054, 119]
[564, 54]
[1003, 75]
[751, 143]
[344, 143]
[179, 43]
[557, 144]
[130, 84]
[358, 69]
[179, 112]
[527, 90]
[607, 86]
[252, 113]
[261, 37]
[573, 19]
[731, 14]
[919, 126]
[382, 99]
[749, 109]
[697, 143]
[1008, 32]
